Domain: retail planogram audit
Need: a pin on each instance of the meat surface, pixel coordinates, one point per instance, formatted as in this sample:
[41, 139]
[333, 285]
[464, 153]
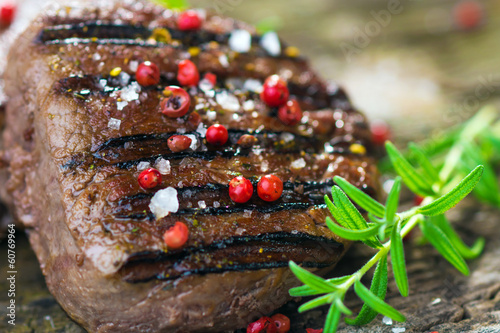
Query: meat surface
[71, 174]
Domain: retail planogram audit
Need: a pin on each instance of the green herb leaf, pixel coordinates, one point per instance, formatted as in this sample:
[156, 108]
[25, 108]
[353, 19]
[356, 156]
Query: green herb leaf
[378, 288]
[319, 301]
[351, 218]
[173, 4]
[415, 181]
[332, 319]
[308, 291]
[450, 199]
[466, 252]
[428, 169]
[398, 260]
[361, 198]
[439, 240]
[355, 235]
[376, 303]
[342, 308]
[393, 201]
[311, 279]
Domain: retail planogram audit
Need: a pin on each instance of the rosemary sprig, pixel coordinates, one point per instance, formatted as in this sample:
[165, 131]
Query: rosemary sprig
[425, 171]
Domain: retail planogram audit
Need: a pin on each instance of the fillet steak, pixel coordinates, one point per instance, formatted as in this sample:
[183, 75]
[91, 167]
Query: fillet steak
[79, 130]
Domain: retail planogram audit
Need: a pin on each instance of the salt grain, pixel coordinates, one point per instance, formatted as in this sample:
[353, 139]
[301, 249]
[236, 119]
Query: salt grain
[211, 115]
[202, 130]
[398, 330]
[121, 105]
[194, 141]
[131, 92]
[164, 202]
[223, 60]
[133, 65]
[163, 166]
[287, 137]
[249, 106]
[205, 85]
[124, 78]
[216, 204]
[240, 41]
[253, 85]
[247, 213]
[228, 101]
[264, 166]
[202, 204]
[143, 166]
[271, 43]
[328, 148]
[114, 123]
[298, 164]
[436, 301]
[96, 57]
[386, 320]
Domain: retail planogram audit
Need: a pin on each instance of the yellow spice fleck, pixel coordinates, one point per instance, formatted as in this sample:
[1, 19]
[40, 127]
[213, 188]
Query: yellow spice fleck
[194, 51]
[356, 148]
[115, 71]
[292, 51]
[261, 250]
[161, 35]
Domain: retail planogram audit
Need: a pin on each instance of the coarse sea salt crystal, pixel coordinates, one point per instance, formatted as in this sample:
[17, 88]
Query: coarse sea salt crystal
[253, 85]
[205, 85]
[114, 123]
[164, 202]
[96, 57]
[223, 60]
[398, 330]
[328, 148]
[121, 105]
[194, 141]
[103, 83]
[202, 204]
[271, 43]
[142, 166]
[386, 320]
[247, 213]
[240, 41]
[287, 137]
[228, 101]
[124, 78]
[131, 92]
[202, 130]
[216, 204]
[248, 105]
[211, 115]
[163, 166]
[298, 164]
[264, 166]
[133, 65]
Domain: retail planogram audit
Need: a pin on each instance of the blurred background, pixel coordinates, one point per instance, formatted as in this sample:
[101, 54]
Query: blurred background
[419, 64]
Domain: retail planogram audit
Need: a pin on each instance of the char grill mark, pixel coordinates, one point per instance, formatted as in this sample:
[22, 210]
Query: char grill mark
[80, 87]
[238, 253]
[128, 34]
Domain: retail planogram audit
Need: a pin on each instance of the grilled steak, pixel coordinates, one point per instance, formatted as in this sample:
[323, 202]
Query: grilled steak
[78, 128]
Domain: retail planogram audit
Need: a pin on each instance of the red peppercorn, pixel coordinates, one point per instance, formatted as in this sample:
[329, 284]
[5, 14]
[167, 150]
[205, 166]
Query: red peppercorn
[175, 237]
[178, 143]
[188, 74]
[149, 178]
[282, 322]
[275, 92]
[189, 20]
[147, 74]
[217, 135]
[177, 102]
[468, 14]
[312, 330]
[417, 200]
[291, 113]
[263, 325]
[7, 13]
[380, 133]
[240, 189]
[211, 77]
[270, 188]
